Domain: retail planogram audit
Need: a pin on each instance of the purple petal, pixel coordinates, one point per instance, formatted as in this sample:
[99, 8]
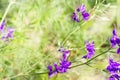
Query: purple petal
[66, 54]
[49, 68]
[118, 41]
[89, 55]
[56, 67]
[111, 78]
[114, 32]
[113, 67]
[85, 15]
[118, 51]
[10, 32]
[81, 8]
[75, 17]
[2, 26]
[90, 50]
[52, 74]
[113, 41]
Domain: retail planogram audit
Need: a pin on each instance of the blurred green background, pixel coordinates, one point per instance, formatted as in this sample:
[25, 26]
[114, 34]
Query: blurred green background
[40, 28]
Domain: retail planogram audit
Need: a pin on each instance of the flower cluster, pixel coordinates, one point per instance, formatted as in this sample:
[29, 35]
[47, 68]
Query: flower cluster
[115, 40]
[90, 50]
[82, 10]
[7, 33]
[114, 69]
[63, 65]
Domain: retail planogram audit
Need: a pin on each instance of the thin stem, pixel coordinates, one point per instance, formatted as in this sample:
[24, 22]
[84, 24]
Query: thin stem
[40, 73]
[69, 35]
[21, 74]
[6, 11]
[91, 59]
[18, 75]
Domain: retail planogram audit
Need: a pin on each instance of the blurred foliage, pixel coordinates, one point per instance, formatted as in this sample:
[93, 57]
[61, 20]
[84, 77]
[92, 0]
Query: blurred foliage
[40, 28]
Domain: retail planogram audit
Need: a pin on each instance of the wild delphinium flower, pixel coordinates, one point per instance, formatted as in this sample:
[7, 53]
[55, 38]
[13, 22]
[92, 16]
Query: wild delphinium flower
[8, 34]
[118, 43]
[90, 50]
[64, 63]
[63, 66]
[82, 10]
[114, 69]
[51, 72]
[85, 15]
[75, 17]
[114, 40]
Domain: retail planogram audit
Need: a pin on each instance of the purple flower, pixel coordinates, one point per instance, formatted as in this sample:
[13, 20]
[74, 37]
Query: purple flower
[114, 77]
[2, 26]
[75, 17]
[111, 78]
[9, 34]
[81, 8]
[85, 15]
[113, 39]
[113, 68]
[118, 50]
[90, 50]
[51, 72]
[63, 65]
[65, 53]
[118, 41]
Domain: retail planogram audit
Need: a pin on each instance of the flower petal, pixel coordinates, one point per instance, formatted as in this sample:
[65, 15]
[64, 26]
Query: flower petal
[85, 15]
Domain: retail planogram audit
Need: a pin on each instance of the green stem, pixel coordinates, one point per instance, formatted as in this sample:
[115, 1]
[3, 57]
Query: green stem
[91, 59]
[69, 35]
[21, 74]
[18, 75]
[40, 73]
[6, 11]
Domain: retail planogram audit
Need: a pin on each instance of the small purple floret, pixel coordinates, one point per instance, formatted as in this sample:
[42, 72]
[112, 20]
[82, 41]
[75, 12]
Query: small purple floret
[81, 8]
[90, 50]
[63, 65]
[8, 34]
[113, 68]
[118, 50]
[2, 26]
[75, 17]
[85, 15]
[113, 39]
